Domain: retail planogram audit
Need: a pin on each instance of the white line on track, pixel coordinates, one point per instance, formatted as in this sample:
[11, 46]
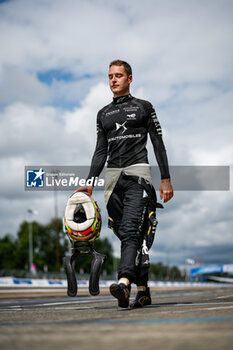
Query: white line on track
[75, 302]
[70, 302]
[92, 307]
[78, 305]
[204, 303]
[218, 307]
[202, 309]
[71, 308]
[223, 305]
[194, 304]
[225, 296]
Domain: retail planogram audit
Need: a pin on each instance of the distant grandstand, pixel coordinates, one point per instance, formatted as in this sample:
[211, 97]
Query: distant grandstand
[217, 273]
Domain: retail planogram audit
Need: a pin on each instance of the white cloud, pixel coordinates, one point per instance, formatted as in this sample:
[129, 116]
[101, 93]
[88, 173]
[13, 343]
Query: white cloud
[19, 86]
[222, 156]
[194, 220]
[83, 119]
[31, 135]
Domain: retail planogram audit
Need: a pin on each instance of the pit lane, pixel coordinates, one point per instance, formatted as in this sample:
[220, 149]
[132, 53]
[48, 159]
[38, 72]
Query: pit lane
[184, 318]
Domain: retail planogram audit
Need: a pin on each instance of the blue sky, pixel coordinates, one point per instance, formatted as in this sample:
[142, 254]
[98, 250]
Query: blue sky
[48, 77]
[53, 79]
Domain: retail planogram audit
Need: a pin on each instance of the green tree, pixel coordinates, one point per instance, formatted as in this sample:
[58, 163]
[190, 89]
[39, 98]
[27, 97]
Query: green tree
[160, 271]
[14, 253]
[7, 252]
[175, 273]
[44, 245]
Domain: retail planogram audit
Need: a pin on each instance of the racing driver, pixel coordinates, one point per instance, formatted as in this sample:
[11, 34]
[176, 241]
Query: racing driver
[122, 130]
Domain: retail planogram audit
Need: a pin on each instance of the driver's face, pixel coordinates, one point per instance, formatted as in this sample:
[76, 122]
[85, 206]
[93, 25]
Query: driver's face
[119, 81]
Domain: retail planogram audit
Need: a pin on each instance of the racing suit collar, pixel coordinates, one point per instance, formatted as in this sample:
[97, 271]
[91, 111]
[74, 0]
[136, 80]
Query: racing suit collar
[122, 99]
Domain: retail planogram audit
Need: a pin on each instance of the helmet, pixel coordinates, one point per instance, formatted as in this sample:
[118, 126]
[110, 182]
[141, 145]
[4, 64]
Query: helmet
[82, 218]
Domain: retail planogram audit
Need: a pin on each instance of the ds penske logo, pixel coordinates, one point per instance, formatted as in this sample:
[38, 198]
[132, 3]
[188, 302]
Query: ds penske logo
[35, 178]
[119, 126]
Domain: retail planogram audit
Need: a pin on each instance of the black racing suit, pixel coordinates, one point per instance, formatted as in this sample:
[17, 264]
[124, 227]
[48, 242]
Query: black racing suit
[122, 129]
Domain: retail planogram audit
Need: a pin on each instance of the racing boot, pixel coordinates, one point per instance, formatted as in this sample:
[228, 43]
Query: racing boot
[142, 298]
[121, 291]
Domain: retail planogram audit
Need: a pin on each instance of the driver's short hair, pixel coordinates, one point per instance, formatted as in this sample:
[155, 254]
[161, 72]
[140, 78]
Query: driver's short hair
[126, 65]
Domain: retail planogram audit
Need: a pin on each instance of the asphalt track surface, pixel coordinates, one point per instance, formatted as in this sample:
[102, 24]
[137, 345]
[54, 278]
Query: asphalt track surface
[179, 318]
